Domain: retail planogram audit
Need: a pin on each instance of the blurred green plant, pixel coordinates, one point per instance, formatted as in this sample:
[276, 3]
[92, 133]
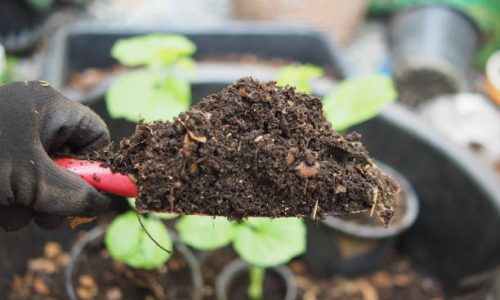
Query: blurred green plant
[357, 100]
[353, 100]
[127, 241]
[161, 89]
[261, 242]
[298, 76]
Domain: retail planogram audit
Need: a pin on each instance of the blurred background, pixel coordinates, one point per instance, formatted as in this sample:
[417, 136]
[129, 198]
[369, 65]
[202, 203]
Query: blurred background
[442, 134]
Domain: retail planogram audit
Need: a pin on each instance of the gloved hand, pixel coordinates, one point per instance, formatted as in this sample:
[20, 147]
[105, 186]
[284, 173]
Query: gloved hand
[36, 120]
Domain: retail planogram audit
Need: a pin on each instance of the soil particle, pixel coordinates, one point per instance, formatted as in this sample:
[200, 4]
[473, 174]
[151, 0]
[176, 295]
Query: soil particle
[253, 149]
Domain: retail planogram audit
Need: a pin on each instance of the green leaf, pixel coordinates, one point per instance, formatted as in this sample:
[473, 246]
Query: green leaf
[206, 233]
[269, 242]
[131, 202]
[299, 76]
[184, 66]
[357, 100]
[127, 242]
[152, 49]
[148, 94]
[162, 216]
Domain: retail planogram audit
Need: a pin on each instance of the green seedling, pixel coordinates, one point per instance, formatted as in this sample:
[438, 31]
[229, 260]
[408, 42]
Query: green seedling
[160, 89]
[353, 101]
[261, 242]
[130, 242]
[357, 100]
[298, 76]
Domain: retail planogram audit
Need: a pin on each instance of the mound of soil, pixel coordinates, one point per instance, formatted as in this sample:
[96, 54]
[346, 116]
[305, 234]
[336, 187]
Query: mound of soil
[253, 149]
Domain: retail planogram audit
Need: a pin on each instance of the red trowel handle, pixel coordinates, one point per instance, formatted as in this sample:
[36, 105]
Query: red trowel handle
[101, 178]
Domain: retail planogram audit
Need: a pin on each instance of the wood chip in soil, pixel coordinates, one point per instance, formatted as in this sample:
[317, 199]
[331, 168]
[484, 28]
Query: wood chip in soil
[254, 149]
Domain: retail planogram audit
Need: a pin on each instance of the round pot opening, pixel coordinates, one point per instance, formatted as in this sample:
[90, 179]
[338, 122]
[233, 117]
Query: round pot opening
[428, 63]
[358, 244]
[232, 282]
[91, 245]
[364, 226]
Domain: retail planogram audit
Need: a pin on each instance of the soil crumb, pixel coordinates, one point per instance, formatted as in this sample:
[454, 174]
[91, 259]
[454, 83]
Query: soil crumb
[253, 149]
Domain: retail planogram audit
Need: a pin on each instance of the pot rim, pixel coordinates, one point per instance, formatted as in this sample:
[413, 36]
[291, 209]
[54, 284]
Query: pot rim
[225, 277]
[98, 232]
[426, 7]
[380, 232]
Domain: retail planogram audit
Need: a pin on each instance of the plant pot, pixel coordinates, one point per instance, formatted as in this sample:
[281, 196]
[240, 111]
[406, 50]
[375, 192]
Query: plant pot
[432, 50]
[232, 282]
[98, 232]
[338, 18]
[356, 245]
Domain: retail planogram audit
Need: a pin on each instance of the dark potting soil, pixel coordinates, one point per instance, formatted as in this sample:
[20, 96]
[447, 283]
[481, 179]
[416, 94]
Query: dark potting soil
[101, 276]
[214, 262]
[253, 149]
[420, 85]
[365, 218]
[44, 277]
[398, 278]
[98, 277]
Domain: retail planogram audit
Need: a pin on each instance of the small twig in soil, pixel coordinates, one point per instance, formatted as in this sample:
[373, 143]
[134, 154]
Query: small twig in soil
[149, 235]
[375, 200]
[315, 211]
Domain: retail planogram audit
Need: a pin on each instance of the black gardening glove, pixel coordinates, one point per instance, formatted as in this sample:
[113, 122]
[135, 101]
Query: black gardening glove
[35, 121]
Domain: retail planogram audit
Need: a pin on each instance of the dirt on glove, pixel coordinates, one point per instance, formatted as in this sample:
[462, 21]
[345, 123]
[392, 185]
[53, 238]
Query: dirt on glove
[254, 149]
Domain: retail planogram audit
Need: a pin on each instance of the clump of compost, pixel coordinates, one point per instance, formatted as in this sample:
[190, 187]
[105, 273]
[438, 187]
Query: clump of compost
[253, 149]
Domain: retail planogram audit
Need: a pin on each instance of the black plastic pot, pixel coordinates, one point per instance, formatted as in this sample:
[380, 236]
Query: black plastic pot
[338, 246]
[432, 51]
[98, 232]
[225, 281]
